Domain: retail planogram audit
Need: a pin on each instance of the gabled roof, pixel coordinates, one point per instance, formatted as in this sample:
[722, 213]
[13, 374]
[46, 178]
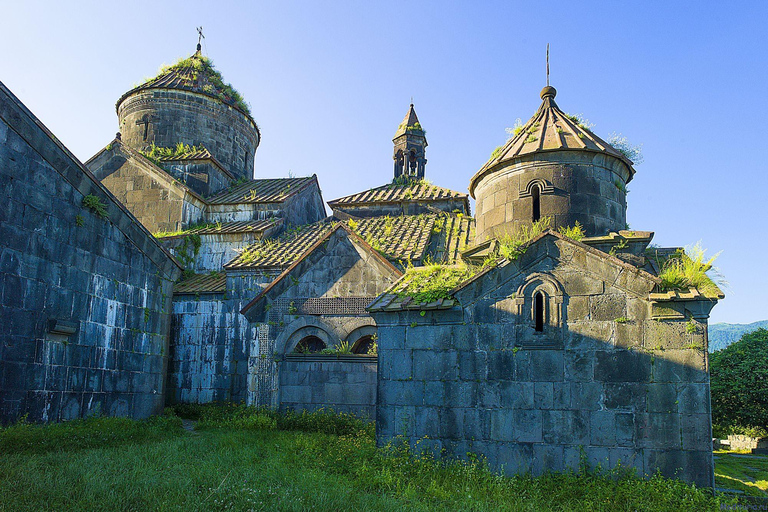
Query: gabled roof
[407, 237]
[268, 190]
[394, 300]
[550, 129]
[281, 283]
[411, 192]
[215, 282]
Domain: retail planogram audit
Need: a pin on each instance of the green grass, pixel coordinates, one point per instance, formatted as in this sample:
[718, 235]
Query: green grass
[243, 459]
[689, 269]
[747, 474]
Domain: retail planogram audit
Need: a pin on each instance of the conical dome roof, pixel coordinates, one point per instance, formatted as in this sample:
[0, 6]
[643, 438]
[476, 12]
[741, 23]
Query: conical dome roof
[550, 129]
[410, 123]
[196, 74]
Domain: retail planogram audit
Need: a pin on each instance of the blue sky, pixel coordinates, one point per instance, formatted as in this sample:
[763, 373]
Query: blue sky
[328, 84]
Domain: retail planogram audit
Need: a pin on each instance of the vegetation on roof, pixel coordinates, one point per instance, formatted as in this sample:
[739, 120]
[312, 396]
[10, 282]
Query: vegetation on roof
[513, 245]
[188, 230]
[581, 121]
[622, 145]
[415, 127]
[435, 281]
[410, 182]
[688, 268]
[180, 150]
[215, 87]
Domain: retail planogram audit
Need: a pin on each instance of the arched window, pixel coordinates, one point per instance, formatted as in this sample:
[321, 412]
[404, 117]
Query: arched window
[364, 345]
[536, 197]
[309, 345]
[538, 311]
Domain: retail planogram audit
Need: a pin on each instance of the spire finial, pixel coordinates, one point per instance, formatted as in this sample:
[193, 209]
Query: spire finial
[411, 100]
[547, 64]
[200, 38]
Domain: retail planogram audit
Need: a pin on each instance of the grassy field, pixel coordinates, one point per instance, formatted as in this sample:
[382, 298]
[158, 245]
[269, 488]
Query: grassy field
[742, 472]
[241, 459]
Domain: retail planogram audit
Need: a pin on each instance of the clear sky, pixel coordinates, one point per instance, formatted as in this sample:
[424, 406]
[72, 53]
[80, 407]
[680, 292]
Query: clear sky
[328, 83]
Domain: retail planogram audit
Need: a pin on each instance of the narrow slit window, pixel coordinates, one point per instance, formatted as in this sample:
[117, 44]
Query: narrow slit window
[538, 312]
[536, 196]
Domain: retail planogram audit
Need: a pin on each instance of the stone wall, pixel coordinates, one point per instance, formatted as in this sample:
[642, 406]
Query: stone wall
[84, 300]
[203, 176]
[342, 383]
[154, 197]
[605, 378]
[211, 342]
[175, 116]
[575, 186]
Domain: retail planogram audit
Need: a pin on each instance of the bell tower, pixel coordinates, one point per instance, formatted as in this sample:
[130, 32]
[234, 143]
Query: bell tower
[410, 145]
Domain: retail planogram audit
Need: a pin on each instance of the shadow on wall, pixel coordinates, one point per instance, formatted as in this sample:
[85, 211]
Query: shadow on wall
[546, 366]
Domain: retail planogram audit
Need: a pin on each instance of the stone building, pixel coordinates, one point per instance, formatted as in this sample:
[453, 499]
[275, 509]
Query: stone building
[85, 289]
[572, 349]
[562, 349]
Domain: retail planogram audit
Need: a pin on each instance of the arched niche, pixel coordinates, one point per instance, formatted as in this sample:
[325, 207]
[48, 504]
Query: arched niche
[540, 310]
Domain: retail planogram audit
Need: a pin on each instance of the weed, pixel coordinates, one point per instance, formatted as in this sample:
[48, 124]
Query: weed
[688, 268]
[96, 205]
[580, 121]
[623, 146]
[79, 221]
[621, 320]
[342, 348]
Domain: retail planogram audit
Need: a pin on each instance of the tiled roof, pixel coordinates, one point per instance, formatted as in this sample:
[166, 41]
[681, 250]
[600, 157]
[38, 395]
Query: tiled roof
[550, 129]
[269, 190]
[281, 251]
[398, 238]
[239, 227]
[200, 153]
[195, 74]
[215, 282]
[411, 192]
[394, 302]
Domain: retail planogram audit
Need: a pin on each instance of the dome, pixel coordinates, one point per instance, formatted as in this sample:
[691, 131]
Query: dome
[196, 74]
[550, 129]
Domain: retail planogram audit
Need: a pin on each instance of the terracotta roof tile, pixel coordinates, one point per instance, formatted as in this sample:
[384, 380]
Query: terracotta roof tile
[270, 190]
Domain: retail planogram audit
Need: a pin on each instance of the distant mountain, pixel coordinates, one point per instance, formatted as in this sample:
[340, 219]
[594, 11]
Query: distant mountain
[721, 335]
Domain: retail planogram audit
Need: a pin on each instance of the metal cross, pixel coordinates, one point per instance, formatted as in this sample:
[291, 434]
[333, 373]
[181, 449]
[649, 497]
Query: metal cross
[547, 64]
[200, 35]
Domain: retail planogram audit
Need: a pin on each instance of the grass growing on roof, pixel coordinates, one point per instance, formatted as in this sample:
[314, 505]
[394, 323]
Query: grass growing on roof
[216, 87]
[688, 268]
[180, 150]
[434, 281]
[513, 245]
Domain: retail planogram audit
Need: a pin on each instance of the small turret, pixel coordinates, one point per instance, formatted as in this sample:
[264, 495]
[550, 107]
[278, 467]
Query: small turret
[410, 145]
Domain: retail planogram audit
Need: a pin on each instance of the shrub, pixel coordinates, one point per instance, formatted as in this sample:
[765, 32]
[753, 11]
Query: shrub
[739, 382]
[623, 146]
[434, 281]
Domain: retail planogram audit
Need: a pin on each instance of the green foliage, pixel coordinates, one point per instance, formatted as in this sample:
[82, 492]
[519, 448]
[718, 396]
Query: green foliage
[531, 138]
[108, 147]
[196, 64]
[688, 268]
[410, 182]
[243, 458]
[352, 224]
[621, 320]
[96, 205]
[29, 438]
[749, 476]
[581, 121]
[620, 186]
[187, 231]
[157, 154]
[513, 244]
[433, 281]
[260, 249]
[622, 145]
[575, 232]
[79, 221]
[496, 152]
[739, 382]
[516, 129]
[340, 349]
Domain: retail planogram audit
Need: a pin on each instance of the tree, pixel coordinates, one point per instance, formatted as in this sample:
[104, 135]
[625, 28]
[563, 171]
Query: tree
[739, 382]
